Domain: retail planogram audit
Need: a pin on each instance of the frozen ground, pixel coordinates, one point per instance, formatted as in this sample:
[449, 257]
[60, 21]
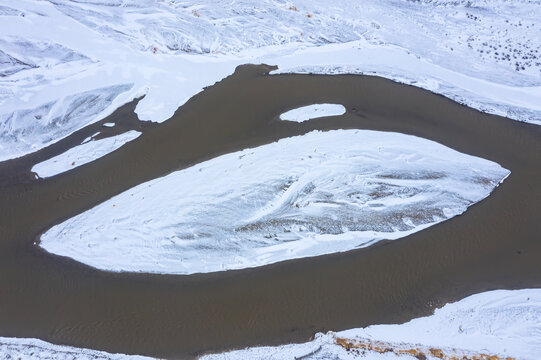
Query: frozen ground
[64, 64]
[88, 151]
[500, 323]
[303, 196]
[313, 111]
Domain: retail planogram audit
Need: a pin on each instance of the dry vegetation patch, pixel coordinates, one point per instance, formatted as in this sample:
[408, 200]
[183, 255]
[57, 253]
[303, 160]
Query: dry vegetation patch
[363, 346]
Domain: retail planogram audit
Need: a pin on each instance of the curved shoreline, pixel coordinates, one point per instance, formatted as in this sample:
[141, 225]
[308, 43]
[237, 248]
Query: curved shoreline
[494, 245]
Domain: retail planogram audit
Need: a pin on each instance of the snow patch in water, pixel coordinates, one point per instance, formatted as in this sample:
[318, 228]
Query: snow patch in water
[313, 111]
[88, 151]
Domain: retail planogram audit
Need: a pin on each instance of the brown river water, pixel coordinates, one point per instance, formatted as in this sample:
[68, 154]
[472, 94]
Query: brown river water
[495, 244]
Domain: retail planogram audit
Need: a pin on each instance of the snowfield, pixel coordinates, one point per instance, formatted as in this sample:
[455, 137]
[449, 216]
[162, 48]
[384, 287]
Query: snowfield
[307, 195]
[99, 55]
[312, 112]
[502, 322]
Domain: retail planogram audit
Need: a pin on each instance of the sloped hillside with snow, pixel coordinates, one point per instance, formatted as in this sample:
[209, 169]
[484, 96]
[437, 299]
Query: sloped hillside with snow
[64, 64]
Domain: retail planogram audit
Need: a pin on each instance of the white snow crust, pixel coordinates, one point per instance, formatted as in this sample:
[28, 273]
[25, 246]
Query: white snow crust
[308, 195]
[313, 111]
[88, 151]
[56, 56]
[501, 322]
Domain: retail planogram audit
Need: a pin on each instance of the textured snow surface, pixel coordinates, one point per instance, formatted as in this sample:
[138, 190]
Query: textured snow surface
[88, 151]
[34, 349]
[20, 54]
[26, 130]
[303, 196]
[482, 53]
[501, 322]
[313, 111]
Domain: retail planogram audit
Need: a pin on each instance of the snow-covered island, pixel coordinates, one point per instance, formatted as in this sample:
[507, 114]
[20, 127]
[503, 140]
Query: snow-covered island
[315, 194]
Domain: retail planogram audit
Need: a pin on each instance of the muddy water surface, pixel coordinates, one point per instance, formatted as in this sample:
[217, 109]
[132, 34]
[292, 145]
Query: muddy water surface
[495, 244]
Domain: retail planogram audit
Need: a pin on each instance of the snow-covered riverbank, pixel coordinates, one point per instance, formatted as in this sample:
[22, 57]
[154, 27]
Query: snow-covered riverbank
[99, 55]
[504, 324]
[35, 349]
[501, 323]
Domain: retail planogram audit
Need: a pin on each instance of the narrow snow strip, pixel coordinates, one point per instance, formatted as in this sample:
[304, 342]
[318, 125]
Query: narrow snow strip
[309, 195]
[313, 111]
[109, 124]
[86, 152]
[34, 349]
[500, 323]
